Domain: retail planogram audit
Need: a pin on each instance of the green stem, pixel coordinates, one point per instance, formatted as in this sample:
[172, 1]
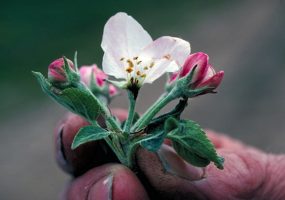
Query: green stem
[117, 151]
[131, 114]
[154, 109]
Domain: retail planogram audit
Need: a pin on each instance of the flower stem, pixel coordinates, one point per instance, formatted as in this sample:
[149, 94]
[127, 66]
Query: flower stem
[154, 109]
[131, 114]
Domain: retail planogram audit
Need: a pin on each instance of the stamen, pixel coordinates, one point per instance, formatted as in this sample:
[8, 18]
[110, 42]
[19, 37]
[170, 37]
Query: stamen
[122, 59]
[129, 69]
[138, 73]
[143, 75]
[139, 62]
[145, 68]
[131, 64]
[135, 58]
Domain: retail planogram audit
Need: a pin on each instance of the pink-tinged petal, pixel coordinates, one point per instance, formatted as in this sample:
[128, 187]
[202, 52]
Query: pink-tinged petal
[201, 60]
[169, 48]
[123, 35]
[56, 70]
[112, 90]
[212, 82]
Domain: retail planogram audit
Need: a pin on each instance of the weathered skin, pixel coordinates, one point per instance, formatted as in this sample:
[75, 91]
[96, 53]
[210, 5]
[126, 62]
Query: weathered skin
[248, 174]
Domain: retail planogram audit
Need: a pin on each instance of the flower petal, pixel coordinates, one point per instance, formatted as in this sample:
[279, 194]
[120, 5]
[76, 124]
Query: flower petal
[112, 67]
[169, 48]
[214, 81]
[159, 68]
[201, 60]
[124, 36]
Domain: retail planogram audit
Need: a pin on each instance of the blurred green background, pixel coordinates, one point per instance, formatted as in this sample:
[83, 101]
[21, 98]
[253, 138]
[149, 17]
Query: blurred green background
[246, 39]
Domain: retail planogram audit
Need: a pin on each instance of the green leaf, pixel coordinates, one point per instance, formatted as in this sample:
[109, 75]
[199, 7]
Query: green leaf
[78, 100]
[192, 144]
[81, 102]
[88, 134]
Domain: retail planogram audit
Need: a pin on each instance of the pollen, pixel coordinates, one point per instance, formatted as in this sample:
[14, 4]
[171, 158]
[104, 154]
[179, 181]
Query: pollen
[167, 56]
[138, 73]
[129, 70]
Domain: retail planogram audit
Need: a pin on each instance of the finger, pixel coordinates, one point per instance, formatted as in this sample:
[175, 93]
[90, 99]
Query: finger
[169, 175]
[223, 141]
[87, 155]
[110, 181]
[173, 178]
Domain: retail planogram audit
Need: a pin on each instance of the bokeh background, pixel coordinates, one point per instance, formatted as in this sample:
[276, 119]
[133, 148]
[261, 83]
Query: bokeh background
[246, 39]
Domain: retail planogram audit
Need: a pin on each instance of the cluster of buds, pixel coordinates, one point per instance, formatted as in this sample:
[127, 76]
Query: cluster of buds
[197, 75]
[93, 77]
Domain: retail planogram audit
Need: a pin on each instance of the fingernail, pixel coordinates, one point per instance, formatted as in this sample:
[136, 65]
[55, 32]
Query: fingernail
[175, 165]
[60, 153]
[102, 189]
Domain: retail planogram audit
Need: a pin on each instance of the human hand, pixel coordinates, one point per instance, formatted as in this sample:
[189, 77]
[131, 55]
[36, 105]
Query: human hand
[248, 173]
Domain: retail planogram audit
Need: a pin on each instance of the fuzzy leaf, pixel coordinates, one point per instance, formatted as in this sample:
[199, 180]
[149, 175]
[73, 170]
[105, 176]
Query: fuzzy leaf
[192, 144]
[81, 102]
[88, 134]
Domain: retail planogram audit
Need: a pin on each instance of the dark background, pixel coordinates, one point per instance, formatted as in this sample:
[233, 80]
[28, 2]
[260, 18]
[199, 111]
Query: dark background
[246, 39]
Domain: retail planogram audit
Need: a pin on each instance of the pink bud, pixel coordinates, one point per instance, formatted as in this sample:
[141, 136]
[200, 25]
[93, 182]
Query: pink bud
[204, 75]
[89, 72]
[56, 70]
[112, 90]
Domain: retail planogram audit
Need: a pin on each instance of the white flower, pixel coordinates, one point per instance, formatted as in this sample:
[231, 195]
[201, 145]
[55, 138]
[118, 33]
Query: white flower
[132, 56]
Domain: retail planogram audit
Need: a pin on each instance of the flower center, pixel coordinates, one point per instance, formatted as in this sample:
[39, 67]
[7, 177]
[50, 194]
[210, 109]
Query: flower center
[137, 69]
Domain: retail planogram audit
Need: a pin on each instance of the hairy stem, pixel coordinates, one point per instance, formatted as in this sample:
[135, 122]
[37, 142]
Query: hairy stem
[154, 109]
[131, 114]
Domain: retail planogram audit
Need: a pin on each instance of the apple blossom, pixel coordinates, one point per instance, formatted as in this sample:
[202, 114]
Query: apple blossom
[56, 71]
[131, 55]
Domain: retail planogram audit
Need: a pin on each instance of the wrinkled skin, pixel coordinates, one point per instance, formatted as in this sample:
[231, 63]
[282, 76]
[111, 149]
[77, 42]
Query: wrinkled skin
[248, 172]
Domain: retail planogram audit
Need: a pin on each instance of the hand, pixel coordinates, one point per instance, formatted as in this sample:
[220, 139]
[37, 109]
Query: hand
[248, 173]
